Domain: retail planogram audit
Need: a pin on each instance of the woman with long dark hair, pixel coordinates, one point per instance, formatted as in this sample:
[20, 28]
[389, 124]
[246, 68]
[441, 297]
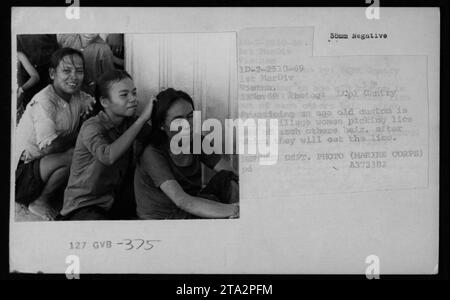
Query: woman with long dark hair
[168, 185]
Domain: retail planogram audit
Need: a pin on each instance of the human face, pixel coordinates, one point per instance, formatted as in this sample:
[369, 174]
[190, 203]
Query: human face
[122, 101]
[180, 109]
[68, 76]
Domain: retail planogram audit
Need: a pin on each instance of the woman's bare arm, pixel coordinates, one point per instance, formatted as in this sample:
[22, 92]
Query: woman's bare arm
[198, 206]
[34, 76]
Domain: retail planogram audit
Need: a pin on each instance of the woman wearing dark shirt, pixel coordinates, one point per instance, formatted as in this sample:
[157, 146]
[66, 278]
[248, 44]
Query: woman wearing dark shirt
[168, 185]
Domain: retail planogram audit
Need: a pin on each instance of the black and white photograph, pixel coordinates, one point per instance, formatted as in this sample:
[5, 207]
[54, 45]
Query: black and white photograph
[83, 151]
[225, 140]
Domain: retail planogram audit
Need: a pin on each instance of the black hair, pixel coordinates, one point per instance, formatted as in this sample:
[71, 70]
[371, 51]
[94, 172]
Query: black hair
[59, 54]
[104, 83]
[165, 100]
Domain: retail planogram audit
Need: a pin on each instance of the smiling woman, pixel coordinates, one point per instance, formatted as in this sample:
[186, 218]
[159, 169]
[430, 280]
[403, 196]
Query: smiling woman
[67, 75]
[47, 131]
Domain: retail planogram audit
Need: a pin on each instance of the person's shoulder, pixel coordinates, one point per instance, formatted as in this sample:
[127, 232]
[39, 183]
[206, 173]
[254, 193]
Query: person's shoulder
[154, 150]
[92, 124]
[45, 97]
[153, 156]
[47, 93]
[102, 47]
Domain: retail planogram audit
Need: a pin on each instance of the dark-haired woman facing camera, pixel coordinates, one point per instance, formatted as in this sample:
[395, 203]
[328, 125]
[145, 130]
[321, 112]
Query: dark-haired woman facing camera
[168, 185]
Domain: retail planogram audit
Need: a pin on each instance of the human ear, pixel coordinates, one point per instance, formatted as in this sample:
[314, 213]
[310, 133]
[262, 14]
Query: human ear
[104, 101]
[51, 73]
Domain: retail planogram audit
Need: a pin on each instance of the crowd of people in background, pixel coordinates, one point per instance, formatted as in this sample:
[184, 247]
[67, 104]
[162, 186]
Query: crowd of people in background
[81, 151]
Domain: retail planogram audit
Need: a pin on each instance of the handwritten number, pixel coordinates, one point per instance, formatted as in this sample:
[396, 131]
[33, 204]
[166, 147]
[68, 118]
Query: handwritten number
[149, 244]
[142, 243]
[129, 243]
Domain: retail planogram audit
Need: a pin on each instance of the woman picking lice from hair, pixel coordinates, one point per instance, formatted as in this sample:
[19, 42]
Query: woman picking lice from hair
[168, 185]
[102, 150]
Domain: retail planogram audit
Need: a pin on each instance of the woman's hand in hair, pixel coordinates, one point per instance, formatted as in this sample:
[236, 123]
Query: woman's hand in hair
[147, 112]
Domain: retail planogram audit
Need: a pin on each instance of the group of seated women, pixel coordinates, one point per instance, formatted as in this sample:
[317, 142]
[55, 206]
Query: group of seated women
[84, 149]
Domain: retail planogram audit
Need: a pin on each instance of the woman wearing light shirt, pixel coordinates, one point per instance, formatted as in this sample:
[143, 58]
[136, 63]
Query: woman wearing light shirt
[47, 131]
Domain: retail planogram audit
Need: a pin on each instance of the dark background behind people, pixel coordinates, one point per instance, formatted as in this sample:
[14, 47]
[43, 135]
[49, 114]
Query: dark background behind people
[38, 48]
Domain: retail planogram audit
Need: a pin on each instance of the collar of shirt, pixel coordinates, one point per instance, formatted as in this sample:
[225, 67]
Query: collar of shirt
[61, 101]
[106, 120]
[108, 123]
